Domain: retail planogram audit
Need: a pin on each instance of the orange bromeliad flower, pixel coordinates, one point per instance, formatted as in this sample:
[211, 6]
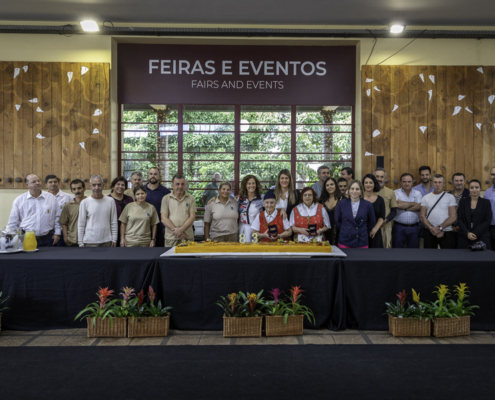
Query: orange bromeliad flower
[103, 294]
[253, 298]
[296, 293]
[232, 297]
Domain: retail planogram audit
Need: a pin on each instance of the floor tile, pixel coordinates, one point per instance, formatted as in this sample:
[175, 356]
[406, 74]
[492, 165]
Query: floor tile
[480, 339]
[178, 340]
[78, 341]
[212, 333]
[18, 333]
[346, 332]
[385, 339]
[81, 332]
[417, 340]
[214, 340]
[349, 339]
[320, 339]
[251, 341]
[115, 342]
[454, 340]
[149, 341]
[282, 340]
[480, 333]
[47, 341]
[318, 332]
[13, 340]
[179, 332]
[64, 332]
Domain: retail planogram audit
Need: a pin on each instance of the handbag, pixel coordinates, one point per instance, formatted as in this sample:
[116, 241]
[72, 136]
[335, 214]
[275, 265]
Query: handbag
[422, 229]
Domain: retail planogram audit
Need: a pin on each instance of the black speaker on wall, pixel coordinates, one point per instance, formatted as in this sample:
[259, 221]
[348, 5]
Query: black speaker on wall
[380, 161]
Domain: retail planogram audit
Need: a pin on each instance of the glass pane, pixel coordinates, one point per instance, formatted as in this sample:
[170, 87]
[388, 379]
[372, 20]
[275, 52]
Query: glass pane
[218, 142]
[328, 142]
[265, 171]
[324, 128]
[265, 115]
[265, 157]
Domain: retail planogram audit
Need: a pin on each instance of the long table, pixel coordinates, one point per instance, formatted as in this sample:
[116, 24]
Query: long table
[48, 288]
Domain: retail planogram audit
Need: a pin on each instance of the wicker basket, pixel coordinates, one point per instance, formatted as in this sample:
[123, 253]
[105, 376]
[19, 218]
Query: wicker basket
[242, 327]
[275, 325]
[148, 327]
[407, 327]
[102, 328]
[445, 327]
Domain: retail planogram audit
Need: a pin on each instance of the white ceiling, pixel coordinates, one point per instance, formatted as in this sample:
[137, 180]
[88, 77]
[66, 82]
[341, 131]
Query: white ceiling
[273, 12]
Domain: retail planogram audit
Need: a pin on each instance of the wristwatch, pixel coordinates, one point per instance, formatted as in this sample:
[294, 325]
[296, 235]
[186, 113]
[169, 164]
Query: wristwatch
[154, 240]
[441, 229]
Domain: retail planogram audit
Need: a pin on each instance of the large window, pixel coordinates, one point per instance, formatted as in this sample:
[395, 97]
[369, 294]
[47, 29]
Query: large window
[199, 140]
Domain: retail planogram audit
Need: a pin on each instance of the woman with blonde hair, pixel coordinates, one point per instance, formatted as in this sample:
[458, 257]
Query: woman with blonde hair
[286, 195]
[250, 204]
[354, 217]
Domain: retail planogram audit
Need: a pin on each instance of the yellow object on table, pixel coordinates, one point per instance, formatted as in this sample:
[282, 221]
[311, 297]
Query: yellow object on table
[30, 243]
[260, 247]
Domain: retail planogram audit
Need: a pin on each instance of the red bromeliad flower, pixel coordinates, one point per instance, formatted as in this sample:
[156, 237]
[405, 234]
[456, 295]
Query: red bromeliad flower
[151, 294]
[141, 297]
[103, 294]
[276, 294]
[296, 293]
[402, 297]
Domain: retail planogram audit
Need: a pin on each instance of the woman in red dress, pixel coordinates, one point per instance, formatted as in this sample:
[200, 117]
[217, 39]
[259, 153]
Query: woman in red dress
[309, 219]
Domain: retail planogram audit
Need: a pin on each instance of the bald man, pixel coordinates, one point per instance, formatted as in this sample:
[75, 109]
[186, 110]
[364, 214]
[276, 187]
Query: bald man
[37, 211]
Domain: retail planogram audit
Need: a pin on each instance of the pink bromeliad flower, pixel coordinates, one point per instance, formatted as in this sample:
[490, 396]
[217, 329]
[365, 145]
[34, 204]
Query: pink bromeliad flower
[276, 294]
[151, 294]
[127, 293]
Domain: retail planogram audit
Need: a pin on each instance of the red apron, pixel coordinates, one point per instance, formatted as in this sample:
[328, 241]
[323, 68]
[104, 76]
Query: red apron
[278, 222]
[303, 222]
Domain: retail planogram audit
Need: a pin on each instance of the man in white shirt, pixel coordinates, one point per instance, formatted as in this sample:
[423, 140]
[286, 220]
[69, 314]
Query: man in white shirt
[405, 231]
[438, 218]
[63, 198]
[37, 211]
[97, 225]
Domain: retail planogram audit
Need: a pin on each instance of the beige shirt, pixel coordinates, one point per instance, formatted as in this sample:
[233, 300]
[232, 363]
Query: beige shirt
[130, 192]
[389, 198]
[222, 217]
[139, 220]
[69, 217]
[178, 212]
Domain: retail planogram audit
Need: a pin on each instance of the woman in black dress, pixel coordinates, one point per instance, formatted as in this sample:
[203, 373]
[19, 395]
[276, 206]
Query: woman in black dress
[474, 216]
[330, 196]
[371, 186]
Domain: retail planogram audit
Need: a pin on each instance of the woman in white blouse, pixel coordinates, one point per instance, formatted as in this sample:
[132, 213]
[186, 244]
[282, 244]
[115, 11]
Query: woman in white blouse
[286, 195]
[309, 219]
[250, 204]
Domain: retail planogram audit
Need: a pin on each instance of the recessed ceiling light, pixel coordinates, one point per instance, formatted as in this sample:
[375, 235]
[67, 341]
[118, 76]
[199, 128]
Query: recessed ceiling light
[396, 28]
[89, 26]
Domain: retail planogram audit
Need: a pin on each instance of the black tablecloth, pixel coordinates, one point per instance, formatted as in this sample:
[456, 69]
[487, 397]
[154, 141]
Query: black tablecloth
[193, 286]
[49, 288]
[374, 276]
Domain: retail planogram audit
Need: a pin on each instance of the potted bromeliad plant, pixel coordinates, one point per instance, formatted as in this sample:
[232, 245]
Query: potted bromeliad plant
[243, 314]
[409, 319]
[148, 320]
[101, 317]
[451, 317]
[2, 301]
[286, 318]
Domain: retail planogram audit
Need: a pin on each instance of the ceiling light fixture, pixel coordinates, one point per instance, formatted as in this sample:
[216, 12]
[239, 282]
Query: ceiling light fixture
[396, 28]
[89, 26]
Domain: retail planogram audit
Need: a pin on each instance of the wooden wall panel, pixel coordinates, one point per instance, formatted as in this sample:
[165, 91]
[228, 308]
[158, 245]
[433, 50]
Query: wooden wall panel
[366, 104]
[442, 118]
[47, 119]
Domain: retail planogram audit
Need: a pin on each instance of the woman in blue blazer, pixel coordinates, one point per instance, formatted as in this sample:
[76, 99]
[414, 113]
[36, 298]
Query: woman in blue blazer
[354, 218]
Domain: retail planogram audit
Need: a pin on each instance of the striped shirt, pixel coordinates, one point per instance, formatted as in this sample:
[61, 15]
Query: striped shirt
[404, 216]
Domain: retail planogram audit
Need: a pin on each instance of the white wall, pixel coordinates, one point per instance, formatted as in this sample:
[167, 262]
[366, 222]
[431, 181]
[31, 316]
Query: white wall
[95, 48]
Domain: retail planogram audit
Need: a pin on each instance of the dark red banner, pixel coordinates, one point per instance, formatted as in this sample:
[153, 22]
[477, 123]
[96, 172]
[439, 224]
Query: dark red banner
[270, 75]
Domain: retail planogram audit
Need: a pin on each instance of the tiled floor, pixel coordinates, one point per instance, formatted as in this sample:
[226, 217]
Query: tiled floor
[77, 337]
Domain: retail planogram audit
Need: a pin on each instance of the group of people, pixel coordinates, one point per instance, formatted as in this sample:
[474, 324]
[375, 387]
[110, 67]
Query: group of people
[346, 212]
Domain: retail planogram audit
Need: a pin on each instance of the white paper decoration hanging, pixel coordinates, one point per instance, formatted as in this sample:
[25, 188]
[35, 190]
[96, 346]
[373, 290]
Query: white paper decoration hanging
[422, 77]
[432, 78]
[480, 69]
[430, 93]
[39, 110]
[423, 129]
[69, 75]
[457, 110]
[82, 145]
[367, 153]
[39, 136]
[16, 72]
[368, 92]
[378, 90]
[468, 110]
[395, 107]
[460, 97]
[35, 100]
[84, 70]
[25, 68]
[17, 106]
[95, 131]
[97, 112]
[376, 132]
[479, 126]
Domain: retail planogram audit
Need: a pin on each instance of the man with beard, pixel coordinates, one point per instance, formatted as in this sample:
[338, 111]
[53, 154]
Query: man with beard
[136, 179]
[490, 195]
[390, 199]
[425, 186]
[459, 192]
[70, 213]
[156, 192]
[63, 198]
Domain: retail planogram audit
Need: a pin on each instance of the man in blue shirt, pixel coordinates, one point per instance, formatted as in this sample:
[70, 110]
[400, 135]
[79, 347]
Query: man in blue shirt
[490, 195]
[425, 186]
[156, 192]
